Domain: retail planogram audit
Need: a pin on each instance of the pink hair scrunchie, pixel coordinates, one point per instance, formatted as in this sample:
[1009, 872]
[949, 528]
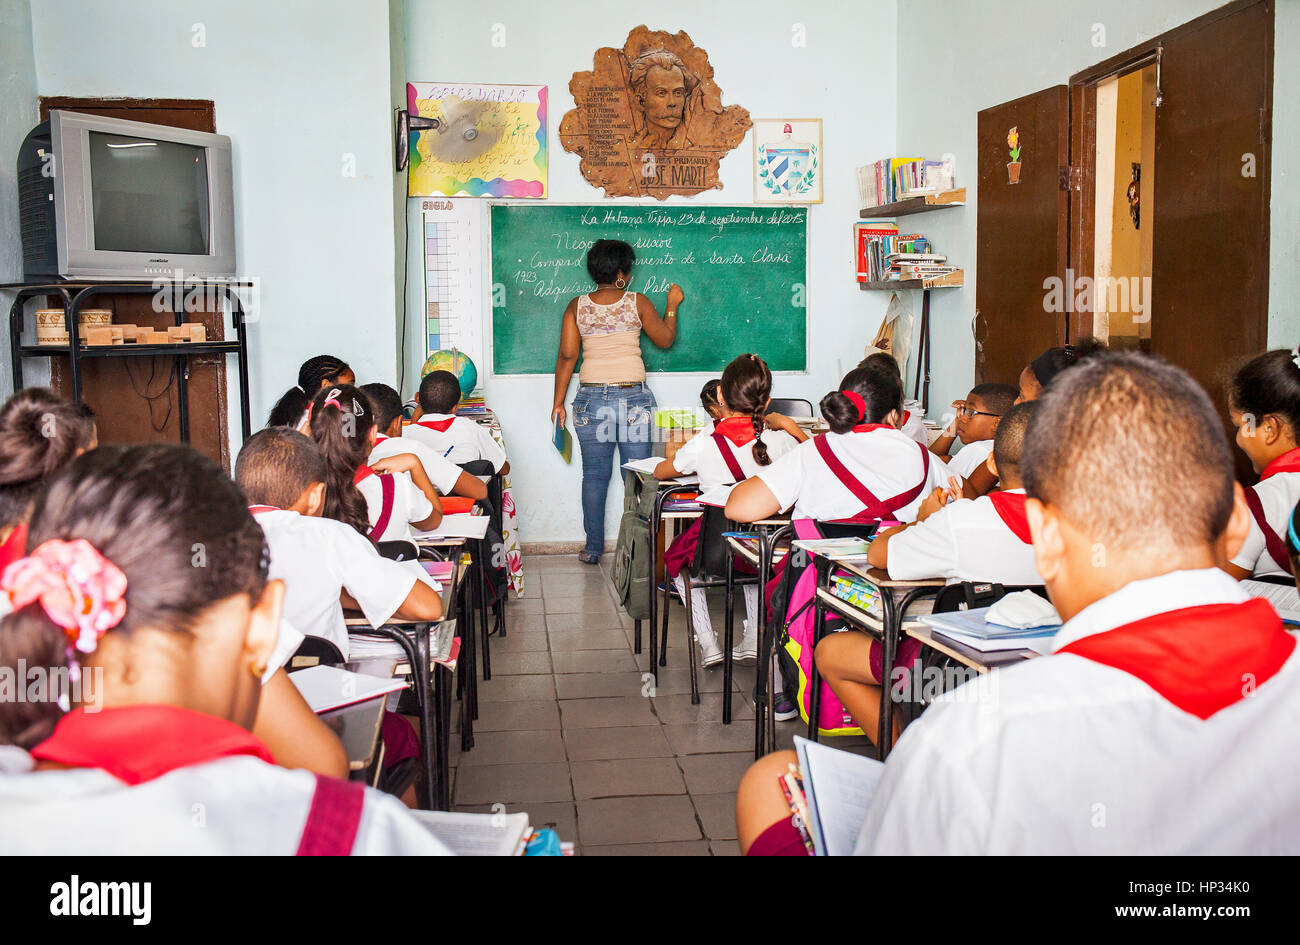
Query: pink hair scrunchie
[78, 588]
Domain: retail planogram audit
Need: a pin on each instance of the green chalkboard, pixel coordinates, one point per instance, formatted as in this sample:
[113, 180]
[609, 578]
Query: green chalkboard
[743, 270]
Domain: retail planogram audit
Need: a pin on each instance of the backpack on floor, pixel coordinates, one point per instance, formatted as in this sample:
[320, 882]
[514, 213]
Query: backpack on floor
[633, 569]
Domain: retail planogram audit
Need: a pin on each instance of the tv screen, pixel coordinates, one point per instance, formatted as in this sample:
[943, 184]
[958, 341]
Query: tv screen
[148, 196]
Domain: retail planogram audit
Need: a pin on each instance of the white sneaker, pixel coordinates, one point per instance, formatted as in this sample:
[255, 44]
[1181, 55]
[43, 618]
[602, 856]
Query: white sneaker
[710, 652]
[747, 648]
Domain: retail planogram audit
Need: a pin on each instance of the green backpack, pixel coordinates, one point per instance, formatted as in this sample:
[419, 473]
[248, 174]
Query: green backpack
[633, 569]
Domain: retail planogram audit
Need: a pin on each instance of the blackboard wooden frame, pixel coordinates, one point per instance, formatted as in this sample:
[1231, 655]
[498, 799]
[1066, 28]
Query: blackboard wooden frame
[490, 281]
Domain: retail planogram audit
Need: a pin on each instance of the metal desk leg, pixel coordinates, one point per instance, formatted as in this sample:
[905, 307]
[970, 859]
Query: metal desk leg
[483, 616]
[819, 620]
[729, 636]
[765, 648]
[435, 688]
[636, 636]
[889, 645]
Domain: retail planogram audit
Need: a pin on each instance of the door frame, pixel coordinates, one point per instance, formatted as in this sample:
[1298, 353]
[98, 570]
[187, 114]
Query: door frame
[1083, 146]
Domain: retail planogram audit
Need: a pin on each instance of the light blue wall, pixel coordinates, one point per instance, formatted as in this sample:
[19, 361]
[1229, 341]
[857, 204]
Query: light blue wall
[844, 75]
[18, 114]
[970, 56]
[299, 86]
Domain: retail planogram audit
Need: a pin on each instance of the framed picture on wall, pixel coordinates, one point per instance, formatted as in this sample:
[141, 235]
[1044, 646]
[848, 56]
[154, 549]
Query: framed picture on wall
[788, 160]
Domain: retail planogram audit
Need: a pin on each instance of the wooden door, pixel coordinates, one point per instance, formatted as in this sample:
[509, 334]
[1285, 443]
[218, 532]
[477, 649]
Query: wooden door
[135, 399]
[1021, 240]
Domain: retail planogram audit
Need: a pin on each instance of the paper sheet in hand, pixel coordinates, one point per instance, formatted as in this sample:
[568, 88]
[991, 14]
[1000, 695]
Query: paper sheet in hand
[647, 465]
[563, 441]
[328, 687]
[839, 786]
[477, 834]
[456, 526]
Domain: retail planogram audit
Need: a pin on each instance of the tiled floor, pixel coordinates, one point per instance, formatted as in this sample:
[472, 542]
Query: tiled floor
[569, 731]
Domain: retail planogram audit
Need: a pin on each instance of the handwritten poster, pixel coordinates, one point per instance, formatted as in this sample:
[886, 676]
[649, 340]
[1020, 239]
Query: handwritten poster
[490, 140]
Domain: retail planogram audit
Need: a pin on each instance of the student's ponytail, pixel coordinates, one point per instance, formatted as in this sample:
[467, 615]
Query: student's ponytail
[746, 387]
[880, 390]
[341, 422]
[1269, 384]
[121, 528]
[40, 433]
[312, 376]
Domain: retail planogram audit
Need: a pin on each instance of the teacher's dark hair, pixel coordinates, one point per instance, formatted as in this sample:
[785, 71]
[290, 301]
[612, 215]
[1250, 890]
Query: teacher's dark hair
[607, 258]
[880, 388]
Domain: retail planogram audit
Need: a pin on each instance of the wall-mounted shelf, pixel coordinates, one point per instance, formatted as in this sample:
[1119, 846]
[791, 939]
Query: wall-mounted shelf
[899, 208]
[952, 280]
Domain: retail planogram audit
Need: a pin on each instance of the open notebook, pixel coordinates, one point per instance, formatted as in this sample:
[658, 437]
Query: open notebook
[838, 786]
[478, 834]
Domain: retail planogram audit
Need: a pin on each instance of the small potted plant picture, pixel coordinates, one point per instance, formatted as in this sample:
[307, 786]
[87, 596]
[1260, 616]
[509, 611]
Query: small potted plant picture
[1013, 168]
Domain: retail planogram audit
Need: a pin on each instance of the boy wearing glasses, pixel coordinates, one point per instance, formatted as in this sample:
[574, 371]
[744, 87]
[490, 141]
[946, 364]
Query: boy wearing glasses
[975, 424]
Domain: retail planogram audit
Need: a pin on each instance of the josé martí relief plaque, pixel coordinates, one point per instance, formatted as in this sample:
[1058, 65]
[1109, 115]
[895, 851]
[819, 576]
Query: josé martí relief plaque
[649, 119]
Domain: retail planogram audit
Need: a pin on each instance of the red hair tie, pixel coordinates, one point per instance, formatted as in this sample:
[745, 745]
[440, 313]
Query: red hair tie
[857, 401]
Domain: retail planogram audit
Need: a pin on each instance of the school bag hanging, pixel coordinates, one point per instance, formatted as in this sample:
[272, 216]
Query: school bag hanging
[632, 572]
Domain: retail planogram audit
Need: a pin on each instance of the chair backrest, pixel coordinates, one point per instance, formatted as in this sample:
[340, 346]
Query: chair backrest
[791, 406]
[711, 552]
[314, 651]
[398, 550]
[974, 594]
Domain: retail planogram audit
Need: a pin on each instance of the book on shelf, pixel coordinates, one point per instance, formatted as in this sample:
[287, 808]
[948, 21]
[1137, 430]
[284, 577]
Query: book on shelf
[893, 179]
[883, 254]
[866, 234]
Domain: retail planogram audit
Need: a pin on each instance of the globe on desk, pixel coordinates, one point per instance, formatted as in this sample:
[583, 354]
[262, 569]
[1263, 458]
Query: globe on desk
[455, 362]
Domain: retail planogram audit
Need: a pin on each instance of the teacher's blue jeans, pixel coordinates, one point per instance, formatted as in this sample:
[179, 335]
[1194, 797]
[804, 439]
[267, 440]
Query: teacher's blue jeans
[604, 419]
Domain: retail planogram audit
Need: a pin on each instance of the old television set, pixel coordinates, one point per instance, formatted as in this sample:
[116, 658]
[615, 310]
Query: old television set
[107, 198]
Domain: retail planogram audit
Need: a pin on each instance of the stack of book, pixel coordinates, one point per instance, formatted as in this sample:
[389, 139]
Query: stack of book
[911, 264]
[894, 179]
[472, 406]
[883, 254]
[855, 591]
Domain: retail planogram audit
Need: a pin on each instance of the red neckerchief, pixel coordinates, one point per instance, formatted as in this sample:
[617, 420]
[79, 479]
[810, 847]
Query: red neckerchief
[868, 427]
[379, 438]
[14, 547]
[739, 430]
[1010, 507]
[137, 743]
[440, 425]
[1288, 462]
[362, 472]
[259, 509]
[1198, 658]
[907, 415]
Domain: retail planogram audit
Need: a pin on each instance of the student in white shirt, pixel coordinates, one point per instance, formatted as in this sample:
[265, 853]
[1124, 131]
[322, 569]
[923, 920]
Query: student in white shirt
[382, 501]
[316, 373]
[1264, 404]
[864, 470]
[737, 447]
[1164, 722]
[459, 439]
[446, 476]
[154, 753]
[975, 425]
[984, 539]
[324, 564]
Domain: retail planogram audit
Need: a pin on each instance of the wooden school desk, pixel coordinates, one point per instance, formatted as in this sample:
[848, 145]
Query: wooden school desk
[895, 598]
[967, 656]
[432, 694]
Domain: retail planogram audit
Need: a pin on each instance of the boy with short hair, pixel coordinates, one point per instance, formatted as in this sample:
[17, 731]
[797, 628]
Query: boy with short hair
[975, 425]
[983, 539]
[1164, 720]
[446, 476]
[324, 563]
[458, 439]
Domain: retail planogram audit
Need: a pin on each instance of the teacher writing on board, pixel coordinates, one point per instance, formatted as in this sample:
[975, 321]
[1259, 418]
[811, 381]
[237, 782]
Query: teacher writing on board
[613, 406]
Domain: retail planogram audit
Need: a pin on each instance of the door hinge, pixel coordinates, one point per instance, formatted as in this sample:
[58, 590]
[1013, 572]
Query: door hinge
[1070, 178]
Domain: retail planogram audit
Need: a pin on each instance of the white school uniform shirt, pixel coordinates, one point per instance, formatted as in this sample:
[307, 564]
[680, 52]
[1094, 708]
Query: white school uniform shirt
[1066, 755]
[966, 540]
[409, 505]
[463, 442]
[443, 473]
[1278, 496]
[247, 807]
[317, 558]
[969, 457]
[886, 461]
[702, 456]
[914, 426]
